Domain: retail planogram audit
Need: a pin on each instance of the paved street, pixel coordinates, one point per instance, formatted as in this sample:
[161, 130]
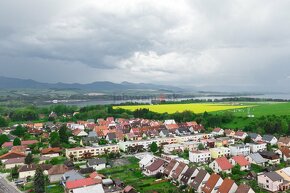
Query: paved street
[5, 187]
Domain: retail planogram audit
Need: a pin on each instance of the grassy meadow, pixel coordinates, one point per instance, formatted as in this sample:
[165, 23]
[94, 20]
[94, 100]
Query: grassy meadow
[195, 107]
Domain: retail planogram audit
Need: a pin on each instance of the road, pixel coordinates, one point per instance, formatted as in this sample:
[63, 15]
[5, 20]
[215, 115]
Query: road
[5, 187]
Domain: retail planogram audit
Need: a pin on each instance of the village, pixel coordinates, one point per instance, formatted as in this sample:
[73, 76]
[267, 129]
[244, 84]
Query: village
[180, 157]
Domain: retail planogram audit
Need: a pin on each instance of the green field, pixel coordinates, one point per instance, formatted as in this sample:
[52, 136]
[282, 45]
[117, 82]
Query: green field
[196, 107]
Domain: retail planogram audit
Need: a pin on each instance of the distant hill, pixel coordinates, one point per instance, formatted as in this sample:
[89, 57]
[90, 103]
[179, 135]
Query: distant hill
[15, 83]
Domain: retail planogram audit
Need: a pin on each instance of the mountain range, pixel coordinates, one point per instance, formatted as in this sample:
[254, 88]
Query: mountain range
[16, 83]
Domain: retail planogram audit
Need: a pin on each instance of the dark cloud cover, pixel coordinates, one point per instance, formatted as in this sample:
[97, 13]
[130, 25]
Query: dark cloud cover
[227, 45]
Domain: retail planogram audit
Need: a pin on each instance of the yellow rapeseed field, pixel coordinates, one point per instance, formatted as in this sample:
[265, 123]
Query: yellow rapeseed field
[196, 107]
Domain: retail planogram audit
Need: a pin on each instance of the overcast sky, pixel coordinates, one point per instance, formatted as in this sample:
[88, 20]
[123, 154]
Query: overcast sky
[238, 45]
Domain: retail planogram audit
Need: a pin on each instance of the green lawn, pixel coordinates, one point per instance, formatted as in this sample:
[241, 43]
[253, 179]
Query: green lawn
[131, 175]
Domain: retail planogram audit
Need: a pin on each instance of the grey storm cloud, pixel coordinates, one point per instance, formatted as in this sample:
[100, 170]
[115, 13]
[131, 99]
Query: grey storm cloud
[241, 44]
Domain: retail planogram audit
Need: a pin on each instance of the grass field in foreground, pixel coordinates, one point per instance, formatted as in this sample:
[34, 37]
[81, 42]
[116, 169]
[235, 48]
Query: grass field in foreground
[196, 107]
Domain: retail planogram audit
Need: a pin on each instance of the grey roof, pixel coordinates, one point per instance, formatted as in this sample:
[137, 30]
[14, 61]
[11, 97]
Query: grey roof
[92, 134]
[273, 176]
[72, 175]
[97, 161]
[253, 135]
[268, 137]
[165, 132]
[111, 136]
[258, 158]
[186, 176]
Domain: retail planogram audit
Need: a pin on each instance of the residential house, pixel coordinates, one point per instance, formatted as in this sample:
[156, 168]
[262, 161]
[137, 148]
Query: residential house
[229, 133]
[169, 148]
[146, 161]
[9, 145]
[170, 168]
[224, 141]
[220, 152]
[156, 167]
[51, 152]
[240, 149]
[218, 132]
[228, 186]
[86, 152]
[178, 171]
[11, 155]
[243, 188]
[257, 147]
[221, 164]
[71, 175]
[97, 163]
[256, 158]
[98, 188]
[56, 172]
[29, 170]
[284, 153]
[202, 156]
[182, 131]
[11, 163]
[83, 184]
[255, 137]
[240, 135]
[188, 176]
[164, 133]
[198, 182]
[270, 181]
[213, 184]
[169, 122]
[241, 161]
[270, 139]
[271, 157]
[284, 142]
[79, 133]
[111, 137]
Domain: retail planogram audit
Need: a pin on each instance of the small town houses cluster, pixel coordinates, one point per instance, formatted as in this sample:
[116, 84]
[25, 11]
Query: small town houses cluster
[220, 150]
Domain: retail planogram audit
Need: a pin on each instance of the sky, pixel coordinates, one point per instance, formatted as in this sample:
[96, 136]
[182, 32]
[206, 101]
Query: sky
[226, 45]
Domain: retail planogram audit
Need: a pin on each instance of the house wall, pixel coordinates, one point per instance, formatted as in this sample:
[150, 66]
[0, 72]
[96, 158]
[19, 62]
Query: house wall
[268, 184]
[9, 166]
[55, 178]
[26, 174]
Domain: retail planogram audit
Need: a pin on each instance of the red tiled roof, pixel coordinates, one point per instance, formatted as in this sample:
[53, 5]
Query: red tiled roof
[241, 160]
[96, 174]
[82, 183]
[239, 133]
[217, 129]
[155, 165]
[210, 184]
[178, 170]
[226, 186]
[224, 163]
[11, 155]
[50, 150]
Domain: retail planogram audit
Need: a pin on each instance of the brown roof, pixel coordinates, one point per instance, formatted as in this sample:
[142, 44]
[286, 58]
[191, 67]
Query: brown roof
[211, 183]
[285, 151]
[226, 186]
[169, 167]
[58, 169]
[243, 188]
[15, 160]
[155, 165]
[50, 150]
[32, 167]
[178, 170]
[19, 149]
[284, 140]
[11, 155]
[199, 178]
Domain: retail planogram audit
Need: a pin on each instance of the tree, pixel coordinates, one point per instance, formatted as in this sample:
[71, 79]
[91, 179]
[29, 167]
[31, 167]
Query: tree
[16, 142]
[248, 139]
[63, 134]
[200, 146]
[3, 122]
[14, 173]
[19, 131]
[153, 147]
[39, 181]
[54, 139]
[28, 159]
[103, 141]
[3, 138]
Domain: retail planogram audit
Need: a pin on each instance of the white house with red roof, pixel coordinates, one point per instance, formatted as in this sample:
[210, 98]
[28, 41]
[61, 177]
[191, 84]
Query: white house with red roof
[241, 161]
[240, 135]
[218, 131]
[72, 186]
[221, 164]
